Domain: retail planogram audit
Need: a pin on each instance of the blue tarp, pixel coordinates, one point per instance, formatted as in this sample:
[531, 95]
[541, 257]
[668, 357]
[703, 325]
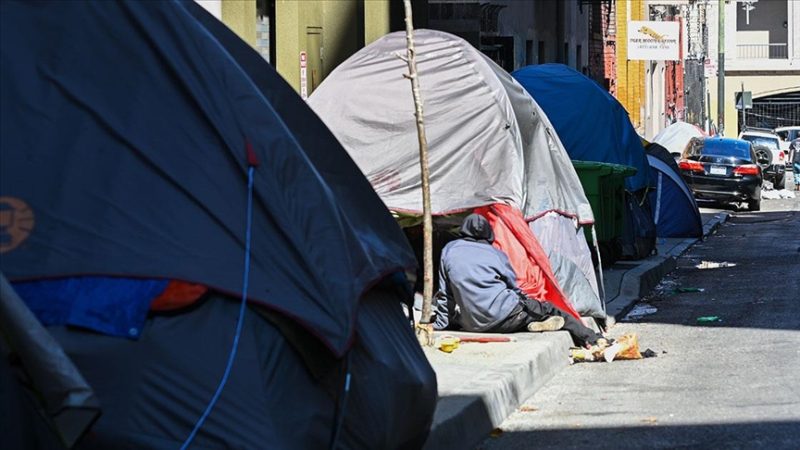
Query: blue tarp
[109, 305]
[675, 211]
[125, 130]
[591, 123]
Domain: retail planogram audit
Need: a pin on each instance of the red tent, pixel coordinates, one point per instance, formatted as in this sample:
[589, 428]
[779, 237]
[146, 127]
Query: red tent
[534, 274]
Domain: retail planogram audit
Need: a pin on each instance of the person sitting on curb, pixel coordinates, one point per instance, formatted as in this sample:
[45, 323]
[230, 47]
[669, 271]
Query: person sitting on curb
[794, 159]
[478, 291]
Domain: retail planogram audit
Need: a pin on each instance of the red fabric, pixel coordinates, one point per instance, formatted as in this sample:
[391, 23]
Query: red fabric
[534, 274]
[252, 159]
[178, 294]
[484, 339]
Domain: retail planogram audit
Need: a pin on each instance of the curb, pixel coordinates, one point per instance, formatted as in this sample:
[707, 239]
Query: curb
[485, 396]
[639, 281]
[466, 415]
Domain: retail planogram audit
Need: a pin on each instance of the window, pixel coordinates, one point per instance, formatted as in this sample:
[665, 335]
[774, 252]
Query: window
[529, 56]
[541, 54]
[761, 140]
[566, 53]
[578, 58]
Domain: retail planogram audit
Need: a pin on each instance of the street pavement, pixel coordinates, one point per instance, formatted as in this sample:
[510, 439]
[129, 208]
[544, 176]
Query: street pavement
[731, 383]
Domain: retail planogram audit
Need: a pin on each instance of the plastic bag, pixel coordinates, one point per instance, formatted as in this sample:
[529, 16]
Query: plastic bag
[626, 347]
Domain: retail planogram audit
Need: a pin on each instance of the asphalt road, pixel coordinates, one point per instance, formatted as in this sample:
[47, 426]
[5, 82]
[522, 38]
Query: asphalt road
[732, 383]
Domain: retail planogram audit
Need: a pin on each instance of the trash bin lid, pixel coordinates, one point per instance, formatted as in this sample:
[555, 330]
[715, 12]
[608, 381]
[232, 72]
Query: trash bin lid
[593, 166]
[604, 168]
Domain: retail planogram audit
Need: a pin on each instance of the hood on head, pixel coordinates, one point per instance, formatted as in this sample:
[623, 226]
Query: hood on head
[476, 228]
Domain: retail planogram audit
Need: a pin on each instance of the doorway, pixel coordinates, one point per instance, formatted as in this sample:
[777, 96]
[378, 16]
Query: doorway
[314, 64]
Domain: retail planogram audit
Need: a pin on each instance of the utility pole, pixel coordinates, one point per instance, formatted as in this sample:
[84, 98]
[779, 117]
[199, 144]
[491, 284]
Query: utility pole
[424, 328]
[721, 71]
[744, 111]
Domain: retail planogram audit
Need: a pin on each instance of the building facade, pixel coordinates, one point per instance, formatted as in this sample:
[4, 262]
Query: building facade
[664, 95]
[762, 54]
[315, 35]
[326, 32]
[630, 89]
[306, 40]
[516, 33]
[603, 44]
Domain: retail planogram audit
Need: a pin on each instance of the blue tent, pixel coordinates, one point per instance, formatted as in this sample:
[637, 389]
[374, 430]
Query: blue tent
[160, 140]
[675, 211]
[133, 135]
[591, 123]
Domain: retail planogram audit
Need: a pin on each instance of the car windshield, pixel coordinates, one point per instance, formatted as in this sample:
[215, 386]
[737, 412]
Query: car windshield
[761, 140]
[716, 147]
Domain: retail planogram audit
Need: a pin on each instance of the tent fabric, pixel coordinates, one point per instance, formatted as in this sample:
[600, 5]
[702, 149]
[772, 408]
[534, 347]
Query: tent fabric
[638, 239]
[676, 136]
[488, 140]
[591, 123]
[153, 389]
[664, 155]
[529, 260]
[551, 182]
[571, 261]
[675, 212]
[140, 170]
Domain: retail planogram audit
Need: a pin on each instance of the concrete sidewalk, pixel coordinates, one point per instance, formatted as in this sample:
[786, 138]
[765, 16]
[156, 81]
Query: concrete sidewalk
[481, 384]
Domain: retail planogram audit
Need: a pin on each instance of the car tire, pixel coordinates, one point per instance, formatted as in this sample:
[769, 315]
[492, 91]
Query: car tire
[779, 182]
[754, 205]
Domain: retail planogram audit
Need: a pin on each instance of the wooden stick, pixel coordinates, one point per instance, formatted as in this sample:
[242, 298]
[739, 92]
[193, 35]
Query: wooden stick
[425, 329]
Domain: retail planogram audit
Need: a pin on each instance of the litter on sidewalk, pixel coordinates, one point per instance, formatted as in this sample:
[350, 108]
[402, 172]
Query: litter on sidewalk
[708, 319]
[624, 348]
[448, 344]
[484, 339]
[685, 290]
[639, 311]
[776, 195]
[714, 265]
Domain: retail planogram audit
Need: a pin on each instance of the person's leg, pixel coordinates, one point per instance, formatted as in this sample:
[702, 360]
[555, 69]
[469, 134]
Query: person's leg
[516, 321]
[580, 333]
[796, 174]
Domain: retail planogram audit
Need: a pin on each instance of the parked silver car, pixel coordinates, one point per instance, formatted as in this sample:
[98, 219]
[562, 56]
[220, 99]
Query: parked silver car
[767, 141]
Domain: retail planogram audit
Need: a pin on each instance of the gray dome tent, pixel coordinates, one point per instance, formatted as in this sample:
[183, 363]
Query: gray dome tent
[488, 142]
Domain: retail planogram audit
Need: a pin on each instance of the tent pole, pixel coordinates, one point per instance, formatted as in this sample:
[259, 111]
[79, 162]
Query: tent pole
[599, 269]
[424, 328]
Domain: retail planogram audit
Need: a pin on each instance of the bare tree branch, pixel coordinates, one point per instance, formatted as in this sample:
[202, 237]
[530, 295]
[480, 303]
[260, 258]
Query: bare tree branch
[425, 328]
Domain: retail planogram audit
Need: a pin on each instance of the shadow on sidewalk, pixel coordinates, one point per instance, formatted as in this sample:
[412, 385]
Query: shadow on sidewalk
[771, 435]
[461, 421]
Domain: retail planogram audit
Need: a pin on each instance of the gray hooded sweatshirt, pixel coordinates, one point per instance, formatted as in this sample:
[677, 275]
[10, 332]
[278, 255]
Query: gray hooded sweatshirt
[477, 285]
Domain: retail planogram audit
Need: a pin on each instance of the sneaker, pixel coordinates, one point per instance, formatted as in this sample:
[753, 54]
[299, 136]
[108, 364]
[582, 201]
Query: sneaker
[552, 323]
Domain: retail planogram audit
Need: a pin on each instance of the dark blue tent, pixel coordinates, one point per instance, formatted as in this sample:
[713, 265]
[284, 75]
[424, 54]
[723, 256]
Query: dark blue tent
[591, 123]
[130, 149]
[675, 211]
[127, 132]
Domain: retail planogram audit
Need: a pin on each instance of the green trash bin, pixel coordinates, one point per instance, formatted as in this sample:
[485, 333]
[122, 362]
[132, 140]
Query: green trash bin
[604, 185]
